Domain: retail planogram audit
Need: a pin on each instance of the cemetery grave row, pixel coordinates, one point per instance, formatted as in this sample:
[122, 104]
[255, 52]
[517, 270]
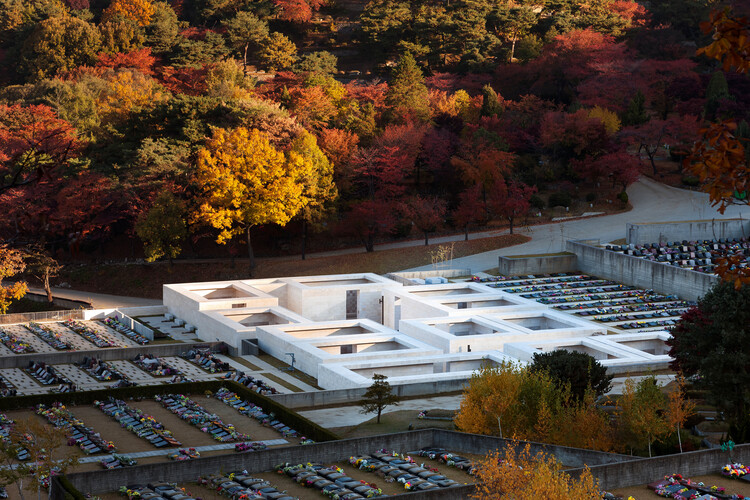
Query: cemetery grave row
[699, 256]
[616, 305]
[206, 360]
[196, 415]
[88, 440]
[139, 423]
[68, 335]
[357, 478]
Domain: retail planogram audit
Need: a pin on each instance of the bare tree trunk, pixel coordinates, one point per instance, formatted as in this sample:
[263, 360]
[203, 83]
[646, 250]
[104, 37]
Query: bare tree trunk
[466, 232]
[304, 237]
[47, 287]
[244, 60]
[510, 219]
[426, 242]
[250, 253]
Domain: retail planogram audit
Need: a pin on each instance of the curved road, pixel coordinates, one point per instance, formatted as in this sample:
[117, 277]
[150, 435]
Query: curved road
[651, 201]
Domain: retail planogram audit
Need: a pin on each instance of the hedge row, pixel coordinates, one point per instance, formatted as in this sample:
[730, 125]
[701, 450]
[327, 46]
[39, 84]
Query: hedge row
[289, 417]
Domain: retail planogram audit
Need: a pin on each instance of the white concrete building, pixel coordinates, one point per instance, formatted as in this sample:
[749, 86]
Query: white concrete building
[343, 328]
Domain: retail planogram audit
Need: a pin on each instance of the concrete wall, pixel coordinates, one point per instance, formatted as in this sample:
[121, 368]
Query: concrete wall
[646, 470]
[406, 277]
[537, 264]
[9, 319]
[330, 452]
[59, 302]
[662, 278]
[693, 230]
[319, 399]
[55, 358]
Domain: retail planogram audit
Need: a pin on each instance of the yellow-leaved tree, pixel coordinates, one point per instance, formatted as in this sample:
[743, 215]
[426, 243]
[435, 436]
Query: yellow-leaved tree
[11, 263]
[245, 181]
[139, 11]
[516, 473]
[318, 186]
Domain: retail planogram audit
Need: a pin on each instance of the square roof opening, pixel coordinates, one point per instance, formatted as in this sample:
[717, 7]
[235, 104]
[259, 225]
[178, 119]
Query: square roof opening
[538, 323]
[227, 292]
[257, 318]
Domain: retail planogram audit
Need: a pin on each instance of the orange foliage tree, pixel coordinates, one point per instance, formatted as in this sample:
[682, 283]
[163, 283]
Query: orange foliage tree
[139, 11]
[11, 263]
[719, 159]
[519, 474]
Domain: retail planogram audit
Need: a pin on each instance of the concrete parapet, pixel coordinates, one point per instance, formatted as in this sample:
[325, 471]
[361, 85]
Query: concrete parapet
[65, 357]
[641, 233]
[642, 273]
[537, 264]
[329, 452]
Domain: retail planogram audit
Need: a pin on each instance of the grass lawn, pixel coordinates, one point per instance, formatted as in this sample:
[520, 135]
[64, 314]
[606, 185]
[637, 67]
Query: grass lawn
[146, 280]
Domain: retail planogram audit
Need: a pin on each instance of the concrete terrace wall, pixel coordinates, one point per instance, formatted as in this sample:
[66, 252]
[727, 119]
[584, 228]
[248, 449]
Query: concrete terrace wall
[58, 301]
[693, 230]
[647, 470]
[62, 357]
[642, 273]
[537, 264]
[330, 452]
[317, 399]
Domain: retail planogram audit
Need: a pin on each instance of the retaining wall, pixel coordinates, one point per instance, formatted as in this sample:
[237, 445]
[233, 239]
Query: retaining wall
[692, 230]
[9, 319]
[61, 357]
[662, 278]
[333, 451]
[335, 397]
[59, 302]
[405, 277]
[537, 264]
[646, 470]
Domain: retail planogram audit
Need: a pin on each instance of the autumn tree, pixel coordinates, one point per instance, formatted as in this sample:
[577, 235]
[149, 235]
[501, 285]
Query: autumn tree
[719, 158]
[43, 444]
[139, 11]
[120, 34]
[470, 209]
[641, 413]
[319, 190]
[656, 136]
[407, 92]
[11, 264]
[59, 44]
[679, 407]
[426, 213]
[517, 473]
[162, 228]
[42, 266]
[278, 52]
[511, 200]
[244, 181]
[33, 143]
[709, 341]
[378, 396]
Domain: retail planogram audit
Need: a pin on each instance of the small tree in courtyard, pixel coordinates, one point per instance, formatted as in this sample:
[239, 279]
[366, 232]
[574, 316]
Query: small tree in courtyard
[378, 396]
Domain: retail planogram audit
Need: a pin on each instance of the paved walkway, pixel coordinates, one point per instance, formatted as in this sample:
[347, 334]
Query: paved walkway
[652, 202]
[99, 300]
[166, 451]
[350, 415]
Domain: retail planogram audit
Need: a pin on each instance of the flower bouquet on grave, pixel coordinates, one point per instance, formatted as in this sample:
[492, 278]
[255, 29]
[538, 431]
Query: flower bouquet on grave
[734, 470]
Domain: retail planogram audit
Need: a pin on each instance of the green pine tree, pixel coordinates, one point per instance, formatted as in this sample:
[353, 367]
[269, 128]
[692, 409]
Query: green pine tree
[407, 93]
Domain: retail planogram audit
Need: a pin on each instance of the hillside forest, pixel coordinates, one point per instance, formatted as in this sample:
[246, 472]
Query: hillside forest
[159, 129]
